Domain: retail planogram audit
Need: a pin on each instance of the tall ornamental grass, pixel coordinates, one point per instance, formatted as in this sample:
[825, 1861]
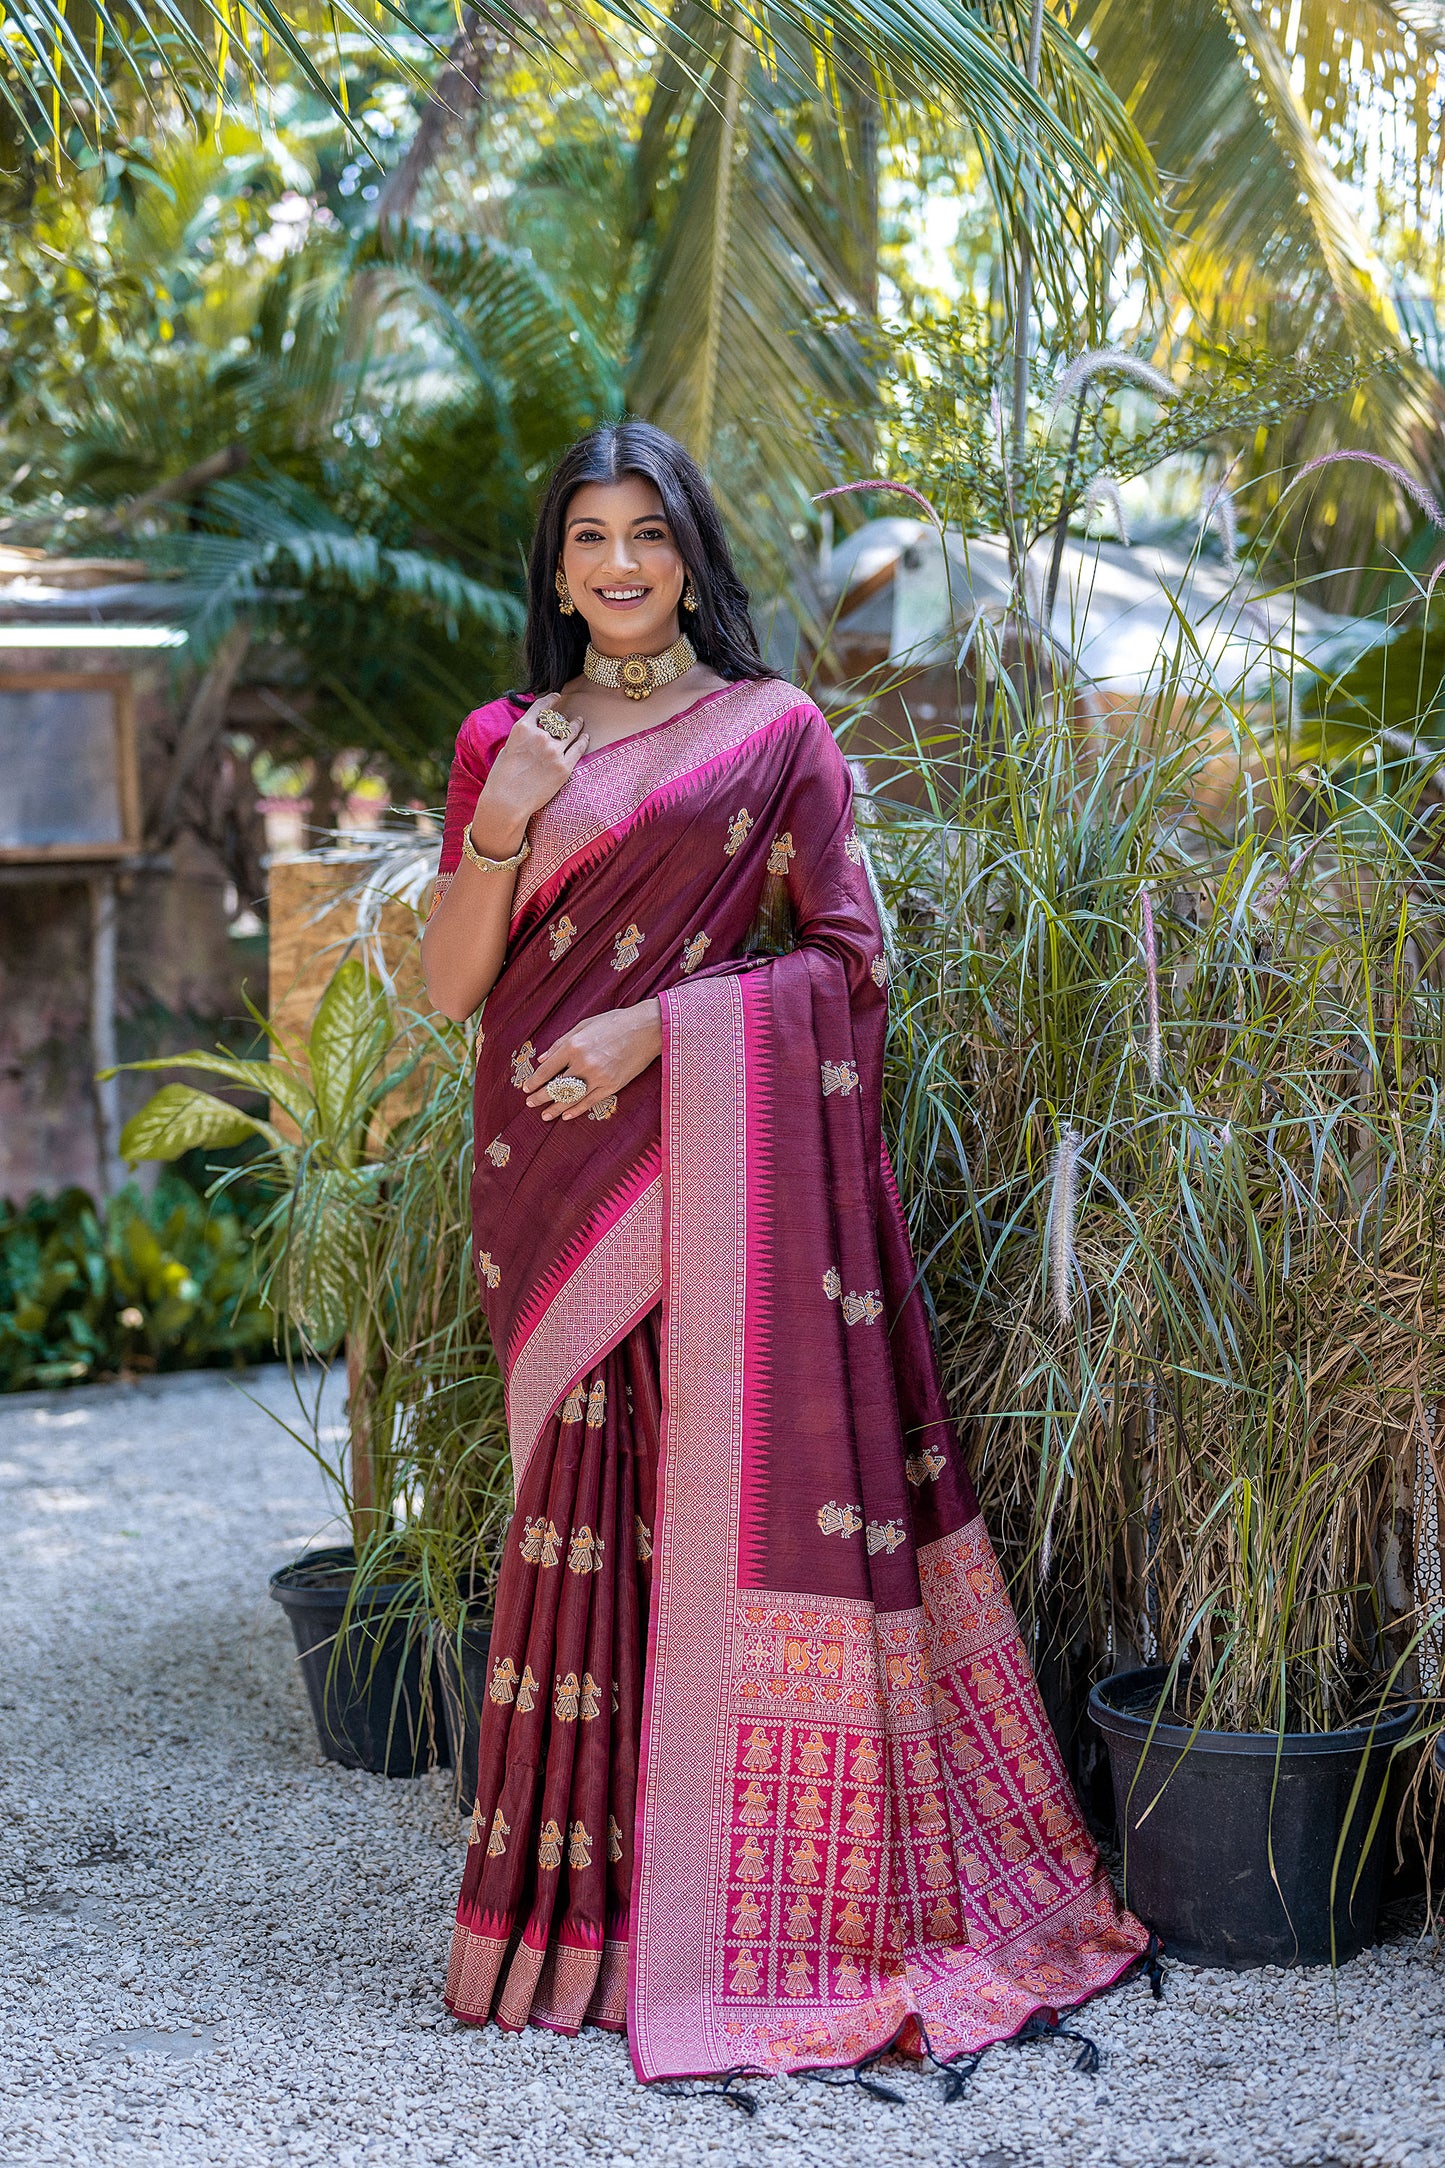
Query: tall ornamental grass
[433, 1386]
[1168, 1098]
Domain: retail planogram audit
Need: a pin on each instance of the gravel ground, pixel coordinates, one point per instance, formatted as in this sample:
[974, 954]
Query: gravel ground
[218, 1949]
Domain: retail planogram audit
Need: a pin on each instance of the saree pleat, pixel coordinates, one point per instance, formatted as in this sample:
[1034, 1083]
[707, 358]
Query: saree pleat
[542, 1929]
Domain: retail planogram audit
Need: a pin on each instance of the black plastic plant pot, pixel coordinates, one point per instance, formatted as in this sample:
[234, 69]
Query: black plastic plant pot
[1230, 1838]
[370, 1684]
[462, 1663]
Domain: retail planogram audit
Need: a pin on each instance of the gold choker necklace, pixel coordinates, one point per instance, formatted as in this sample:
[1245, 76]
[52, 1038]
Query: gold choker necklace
[639, 675]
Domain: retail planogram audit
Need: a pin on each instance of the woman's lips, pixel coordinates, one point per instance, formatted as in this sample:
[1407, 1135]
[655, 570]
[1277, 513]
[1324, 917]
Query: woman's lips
[623, 599]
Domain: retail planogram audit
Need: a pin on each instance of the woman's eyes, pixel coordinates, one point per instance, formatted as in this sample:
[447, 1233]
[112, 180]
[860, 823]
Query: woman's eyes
[588, 537]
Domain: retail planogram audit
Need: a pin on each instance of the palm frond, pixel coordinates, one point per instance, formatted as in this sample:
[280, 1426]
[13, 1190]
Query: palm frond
[499, 315]
[1271, 248]
[748, 259]
[268, 534]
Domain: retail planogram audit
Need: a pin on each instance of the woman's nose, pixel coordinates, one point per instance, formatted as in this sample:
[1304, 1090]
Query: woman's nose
[623, 557]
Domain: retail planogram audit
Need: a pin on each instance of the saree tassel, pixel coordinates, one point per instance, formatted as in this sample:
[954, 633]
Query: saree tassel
[686, 2090]
[955, 2074]
[1043, 2025]
[858, 2076]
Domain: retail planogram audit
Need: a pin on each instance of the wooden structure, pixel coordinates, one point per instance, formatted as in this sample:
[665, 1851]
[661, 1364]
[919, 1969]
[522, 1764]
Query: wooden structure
[69, 790]
[70, 810]
[114, 938]
[329, 904]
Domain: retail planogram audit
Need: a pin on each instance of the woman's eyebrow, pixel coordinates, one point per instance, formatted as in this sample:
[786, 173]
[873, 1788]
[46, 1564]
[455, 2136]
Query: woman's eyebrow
[643, 519]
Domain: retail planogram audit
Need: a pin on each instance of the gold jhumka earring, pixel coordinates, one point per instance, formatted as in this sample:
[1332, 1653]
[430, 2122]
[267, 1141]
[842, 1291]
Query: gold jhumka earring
[689, 595]
[564, 595]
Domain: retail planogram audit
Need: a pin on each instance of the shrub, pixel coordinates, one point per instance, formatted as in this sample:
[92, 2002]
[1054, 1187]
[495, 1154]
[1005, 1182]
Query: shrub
[137, 1283]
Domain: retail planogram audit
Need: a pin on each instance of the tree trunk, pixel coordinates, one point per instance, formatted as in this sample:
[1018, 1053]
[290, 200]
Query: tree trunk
[204, 721]
[456, 92]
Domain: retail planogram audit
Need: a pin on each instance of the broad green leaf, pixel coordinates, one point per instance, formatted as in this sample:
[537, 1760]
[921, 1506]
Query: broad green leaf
[326, 1252]
[348, 1039]
[273, 1080]
[179, 1118]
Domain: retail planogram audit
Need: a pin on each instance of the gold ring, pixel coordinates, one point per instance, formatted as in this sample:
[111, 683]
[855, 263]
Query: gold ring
[567, 1090]
[558, 726]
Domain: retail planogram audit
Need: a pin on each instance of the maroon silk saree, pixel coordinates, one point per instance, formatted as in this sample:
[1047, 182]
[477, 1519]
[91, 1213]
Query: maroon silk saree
[764, 1774]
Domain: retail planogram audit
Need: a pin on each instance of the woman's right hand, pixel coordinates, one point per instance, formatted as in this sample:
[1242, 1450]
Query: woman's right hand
[527, 774]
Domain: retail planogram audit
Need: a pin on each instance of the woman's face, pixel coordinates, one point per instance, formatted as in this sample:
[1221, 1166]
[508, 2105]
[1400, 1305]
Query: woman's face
[623, 566]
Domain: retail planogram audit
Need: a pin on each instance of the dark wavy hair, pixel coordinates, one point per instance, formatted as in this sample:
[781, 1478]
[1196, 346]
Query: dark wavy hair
[720, 628]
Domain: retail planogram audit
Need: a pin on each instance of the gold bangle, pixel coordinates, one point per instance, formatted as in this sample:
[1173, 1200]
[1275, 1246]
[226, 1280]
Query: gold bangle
[493, 865]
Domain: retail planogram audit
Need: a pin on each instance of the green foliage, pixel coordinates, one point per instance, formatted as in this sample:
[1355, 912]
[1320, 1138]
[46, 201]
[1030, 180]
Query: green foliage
[1276, 126]
[157, 1283]
[388, 411]
[1165, 1079]
[1397, 687]
[366, 1240]
[313, 1241]
[180, 1119]
[431, 1385]
[945, 388]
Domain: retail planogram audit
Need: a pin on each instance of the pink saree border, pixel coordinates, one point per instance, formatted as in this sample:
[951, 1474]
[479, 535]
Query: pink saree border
[677, 1878]
[611, 787]
[586, 1306]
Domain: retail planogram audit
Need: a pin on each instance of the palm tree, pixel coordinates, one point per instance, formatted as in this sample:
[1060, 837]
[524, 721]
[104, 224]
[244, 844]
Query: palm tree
[353, 486]
[727, 74]
[755, 184]
[1260, 131]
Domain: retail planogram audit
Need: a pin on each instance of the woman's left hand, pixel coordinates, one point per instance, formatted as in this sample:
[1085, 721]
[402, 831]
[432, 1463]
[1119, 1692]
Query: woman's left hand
[606, 1051]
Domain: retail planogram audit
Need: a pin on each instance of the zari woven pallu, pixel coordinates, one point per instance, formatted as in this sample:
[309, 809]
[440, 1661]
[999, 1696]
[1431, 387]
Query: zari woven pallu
[764, 1776]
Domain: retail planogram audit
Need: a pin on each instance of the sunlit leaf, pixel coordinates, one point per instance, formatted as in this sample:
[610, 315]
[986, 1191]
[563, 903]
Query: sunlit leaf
[178, 1118]
[348, 1040]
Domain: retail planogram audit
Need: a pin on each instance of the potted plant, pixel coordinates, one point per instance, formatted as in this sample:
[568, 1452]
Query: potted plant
[366, 1147]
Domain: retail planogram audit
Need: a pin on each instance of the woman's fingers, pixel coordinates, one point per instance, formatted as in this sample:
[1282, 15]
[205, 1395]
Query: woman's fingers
[557, 1060]
[579, 1107]
[551, 1064]
[573, 753]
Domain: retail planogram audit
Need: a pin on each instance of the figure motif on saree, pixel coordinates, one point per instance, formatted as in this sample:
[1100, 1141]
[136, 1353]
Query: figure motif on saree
[738, 825]
[840, 1077]
[627, 948]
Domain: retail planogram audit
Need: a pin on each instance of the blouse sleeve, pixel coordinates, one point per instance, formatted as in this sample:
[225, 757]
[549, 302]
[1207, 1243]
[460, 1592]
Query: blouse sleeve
[478, 742]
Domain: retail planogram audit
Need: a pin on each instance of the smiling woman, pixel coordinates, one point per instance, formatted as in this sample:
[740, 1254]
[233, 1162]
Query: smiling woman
[763, 1775]
[627, 543]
